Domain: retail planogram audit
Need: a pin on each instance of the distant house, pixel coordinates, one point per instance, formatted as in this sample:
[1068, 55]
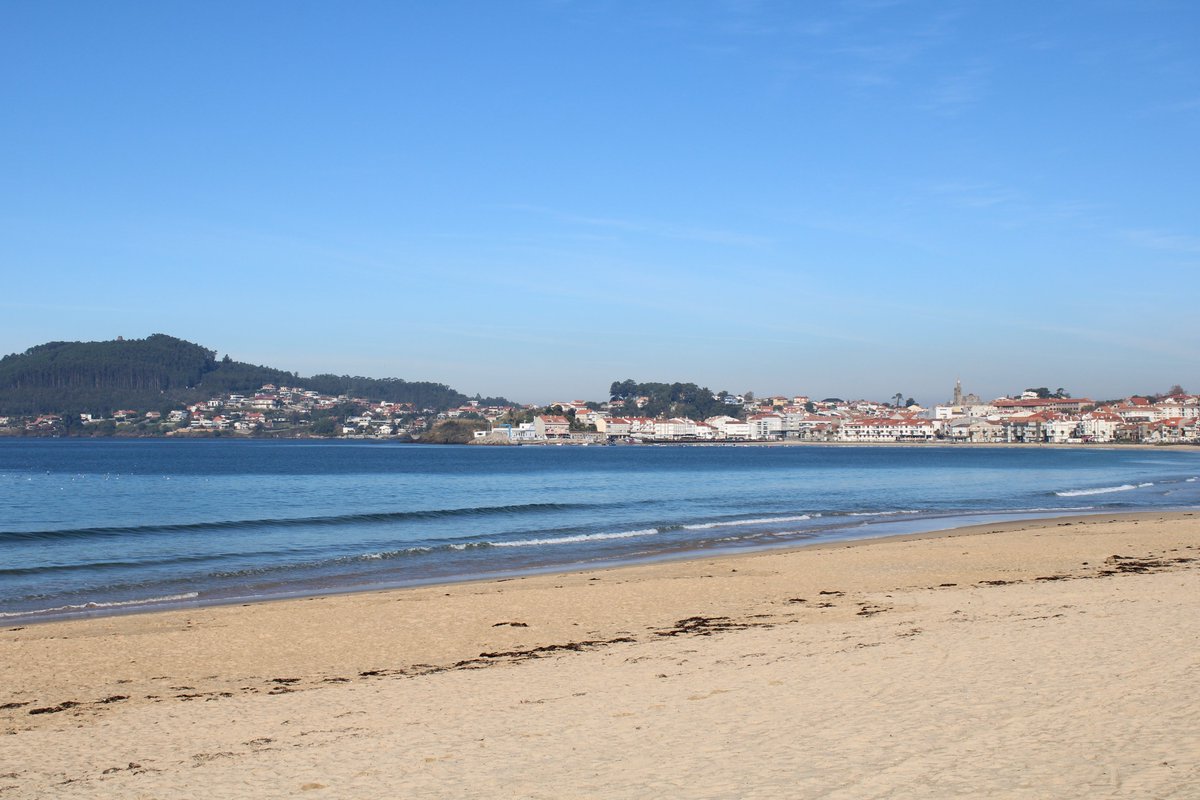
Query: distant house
[589, 417]
[967, 429]
[552, 427]
[613, 427]
[765, 426]
[641, 427]
[802, 425]
[1029, 405]
[1024, 429]
[1099, 426]
[727, 427]
[578, 406]
[1062, 430]
[674, 428]
[888, 429]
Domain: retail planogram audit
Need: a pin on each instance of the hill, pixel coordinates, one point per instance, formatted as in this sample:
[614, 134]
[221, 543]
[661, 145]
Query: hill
[161, 372]
[672, 399]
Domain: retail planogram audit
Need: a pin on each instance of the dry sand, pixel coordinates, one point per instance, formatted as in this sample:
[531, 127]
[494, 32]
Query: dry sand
[1051, 659]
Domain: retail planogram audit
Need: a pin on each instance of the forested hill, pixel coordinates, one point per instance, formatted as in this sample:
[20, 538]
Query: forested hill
[673, 399]
[161, 372]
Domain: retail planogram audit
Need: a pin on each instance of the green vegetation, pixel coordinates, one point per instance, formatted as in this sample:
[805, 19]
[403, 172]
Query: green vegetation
[160, 373]
[101, 377]
[452, 431]
[421, 394]
[671, 400]
[1044, 393]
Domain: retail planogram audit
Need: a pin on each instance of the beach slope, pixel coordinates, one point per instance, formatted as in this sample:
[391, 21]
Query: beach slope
[1058, 658]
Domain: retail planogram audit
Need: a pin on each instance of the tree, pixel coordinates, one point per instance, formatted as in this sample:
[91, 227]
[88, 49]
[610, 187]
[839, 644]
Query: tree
[1176, 390]
[325, 426]
[897, 399]
[71, 423]
[672, 399]
[453, 431]
[621, 390]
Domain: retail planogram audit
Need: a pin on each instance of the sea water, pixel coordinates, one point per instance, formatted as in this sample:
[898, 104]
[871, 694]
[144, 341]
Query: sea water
[101, 526]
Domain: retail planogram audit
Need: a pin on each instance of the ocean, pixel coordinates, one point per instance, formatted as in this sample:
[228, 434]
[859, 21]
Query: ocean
[91, 527]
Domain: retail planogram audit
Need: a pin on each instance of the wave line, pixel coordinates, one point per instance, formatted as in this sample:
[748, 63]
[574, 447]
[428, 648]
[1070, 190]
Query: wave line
[287, 522]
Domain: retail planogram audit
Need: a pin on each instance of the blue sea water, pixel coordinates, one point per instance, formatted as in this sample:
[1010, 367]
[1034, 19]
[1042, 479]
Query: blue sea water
[92, 527]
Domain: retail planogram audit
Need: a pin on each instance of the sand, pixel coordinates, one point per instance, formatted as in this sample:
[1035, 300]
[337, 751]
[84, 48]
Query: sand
[1058, 658]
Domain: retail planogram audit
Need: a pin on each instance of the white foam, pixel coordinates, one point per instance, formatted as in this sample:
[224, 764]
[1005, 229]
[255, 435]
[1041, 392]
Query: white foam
[1060, 508]
[391, 553]
[704, 526]
[583, 537]
[1191, 480]
[880, 513]
[90, 606]
[1125, 487]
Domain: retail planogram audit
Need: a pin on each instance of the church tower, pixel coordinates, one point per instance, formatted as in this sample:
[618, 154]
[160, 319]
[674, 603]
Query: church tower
[958, 395]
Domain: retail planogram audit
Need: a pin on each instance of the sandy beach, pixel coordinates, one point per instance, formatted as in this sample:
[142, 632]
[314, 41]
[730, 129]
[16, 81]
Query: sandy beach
[1058, 658]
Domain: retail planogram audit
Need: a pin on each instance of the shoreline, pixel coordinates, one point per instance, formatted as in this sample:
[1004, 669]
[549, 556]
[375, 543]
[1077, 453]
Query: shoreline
[1001, 521]
[308, 439]
[810, 443]
[681, 560]
[374, 694]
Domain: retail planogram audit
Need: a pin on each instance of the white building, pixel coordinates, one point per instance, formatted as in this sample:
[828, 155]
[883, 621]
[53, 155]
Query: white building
[1061, 431]
[674, 428]
[765, 426]
[729, 427]
[1099, 427]
[641, 427]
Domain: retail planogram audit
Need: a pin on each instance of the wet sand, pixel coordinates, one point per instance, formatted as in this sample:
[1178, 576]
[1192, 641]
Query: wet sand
[1058, 658]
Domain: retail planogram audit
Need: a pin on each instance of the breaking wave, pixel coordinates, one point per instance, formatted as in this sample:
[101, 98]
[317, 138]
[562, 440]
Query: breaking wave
[581, 537]
[76, 607]
[1125, 487]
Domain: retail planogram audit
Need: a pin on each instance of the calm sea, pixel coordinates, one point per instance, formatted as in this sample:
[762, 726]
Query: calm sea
[93, 527]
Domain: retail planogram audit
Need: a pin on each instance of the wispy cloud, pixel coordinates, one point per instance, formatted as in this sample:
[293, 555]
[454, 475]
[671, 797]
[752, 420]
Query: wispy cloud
[953, 94]
[864, 43]
[66, 308]
[879, 61]
[975, 195]
[1117, 340]
[1011, 207]
[652, 228]
[1186, 105]
[1163, 240]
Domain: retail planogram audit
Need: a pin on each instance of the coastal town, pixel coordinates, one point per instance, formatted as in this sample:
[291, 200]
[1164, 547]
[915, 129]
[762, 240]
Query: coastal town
[1028, 418]
[1033, 416]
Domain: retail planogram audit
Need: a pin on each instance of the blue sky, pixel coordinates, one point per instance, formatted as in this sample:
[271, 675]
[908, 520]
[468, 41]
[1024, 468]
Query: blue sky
[535, 199]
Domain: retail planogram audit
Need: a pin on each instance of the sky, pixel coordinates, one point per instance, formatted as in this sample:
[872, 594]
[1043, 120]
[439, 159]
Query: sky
[535, 199]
